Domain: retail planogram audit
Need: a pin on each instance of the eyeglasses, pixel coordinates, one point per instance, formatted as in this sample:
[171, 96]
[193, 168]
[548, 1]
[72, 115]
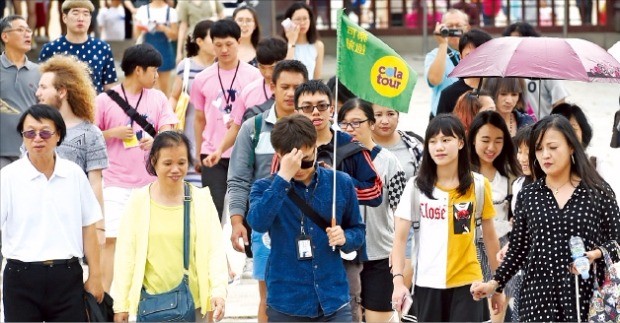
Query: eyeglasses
[354, 124]
[247, 21]
[310, 108]
[44, 134]
[21, 30]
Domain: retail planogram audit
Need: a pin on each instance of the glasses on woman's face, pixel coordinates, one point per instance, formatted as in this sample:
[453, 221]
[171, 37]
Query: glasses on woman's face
[354, 124]
[310, 108]
[44, 134]
[247, 21]
[301, 20]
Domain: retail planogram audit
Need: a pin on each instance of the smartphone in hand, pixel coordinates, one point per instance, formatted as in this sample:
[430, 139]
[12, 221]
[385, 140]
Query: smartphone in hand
[407, 302]
[288, 24]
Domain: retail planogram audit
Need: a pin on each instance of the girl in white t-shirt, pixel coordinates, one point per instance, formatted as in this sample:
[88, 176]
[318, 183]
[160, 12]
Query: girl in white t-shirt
[494, 156]
[446, 258]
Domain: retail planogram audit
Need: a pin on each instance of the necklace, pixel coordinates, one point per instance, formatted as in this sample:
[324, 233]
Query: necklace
[557, 189]
[231, 91]
[510, 121]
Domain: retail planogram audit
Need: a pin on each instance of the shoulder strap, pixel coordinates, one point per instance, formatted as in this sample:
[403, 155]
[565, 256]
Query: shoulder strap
[167, 14]
[415, 223]
[186, 69]
[132, 113]
[346, 150]
[307, 209]
[148, 11]
[258, 127]
[479, 192]
[186, 233]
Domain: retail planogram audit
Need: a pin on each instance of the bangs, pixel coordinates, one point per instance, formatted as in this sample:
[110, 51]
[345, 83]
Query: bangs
[509, 85]
[446, 124]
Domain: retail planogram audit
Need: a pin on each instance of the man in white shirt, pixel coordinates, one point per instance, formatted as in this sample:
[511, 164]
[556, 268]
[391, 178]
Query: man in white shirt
[47, 215]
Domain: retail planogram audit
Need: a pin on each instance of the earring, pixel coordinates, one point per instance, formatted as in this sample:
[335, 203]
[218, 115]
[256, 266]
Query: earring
[572, 158]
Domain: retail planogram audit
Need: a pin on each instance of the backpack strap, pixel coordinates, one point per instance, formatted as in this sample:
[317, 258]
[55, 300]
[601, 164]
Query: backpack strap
[415, 223]
[132, 113]
[346, 150]
[258, 125]
[479, 192]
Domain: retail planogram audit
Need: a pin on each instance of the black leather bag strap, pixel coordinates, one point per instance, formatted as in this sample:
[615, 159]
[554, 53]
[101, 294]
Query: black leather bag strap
[132, 113]
[309, 211]
[186, 209]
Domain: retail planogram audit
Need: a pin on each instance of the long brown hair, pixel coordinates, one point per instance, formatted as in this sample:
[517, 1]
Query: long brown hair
[74, 76]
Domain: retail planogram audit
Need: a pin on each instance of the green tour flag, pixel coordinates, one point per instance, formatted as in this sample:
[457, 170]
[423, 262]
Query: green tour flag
[371, 69]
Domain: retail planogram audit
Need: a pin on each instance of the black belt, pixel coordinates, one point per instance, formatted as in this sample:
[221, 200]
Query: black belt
[49, 263]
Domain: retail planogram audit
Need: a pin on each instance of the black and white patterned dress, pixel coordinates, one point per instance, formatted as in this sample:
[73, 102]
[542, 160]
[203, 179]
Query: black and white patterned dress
[539, 245]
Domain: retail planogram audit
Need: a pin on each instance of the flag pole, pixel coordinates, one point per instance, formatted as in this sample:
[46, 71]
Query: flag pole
[335, 101]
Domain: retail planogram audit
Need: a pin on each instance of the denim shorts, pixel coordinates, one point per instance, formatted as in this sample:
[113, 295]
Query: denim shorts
[261, 248]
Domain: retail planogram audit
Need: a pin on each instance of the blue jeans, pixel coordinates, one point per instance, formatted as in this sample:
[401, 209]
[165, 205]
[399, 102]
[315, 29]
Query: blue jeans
[341, 315]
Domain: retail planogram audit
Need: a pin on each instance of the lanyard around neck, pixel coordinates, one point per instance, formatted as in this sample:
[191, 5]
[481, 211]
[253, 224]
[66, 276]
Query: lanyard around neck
[126, 100]
[231, 92]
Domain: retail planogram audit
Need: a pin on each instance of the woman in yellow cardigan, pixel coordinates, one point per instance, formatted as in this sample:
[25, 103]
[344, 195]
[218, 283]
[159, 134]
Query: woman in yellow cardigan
[149, 248]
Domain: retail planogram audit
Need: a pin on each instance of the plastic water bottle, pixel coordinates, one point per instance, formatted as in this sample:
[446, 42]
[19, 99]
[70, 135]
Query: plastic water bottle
[578, 251]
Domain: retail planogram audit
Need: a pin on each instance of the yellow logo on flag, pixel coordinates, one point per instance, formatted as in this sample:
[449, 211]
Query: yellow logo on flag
[389, 76]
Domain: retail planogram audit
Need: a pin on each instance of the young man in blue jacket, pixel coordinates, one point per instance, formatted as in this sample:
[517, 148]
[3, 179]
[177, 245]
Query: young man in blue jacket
[305, 275]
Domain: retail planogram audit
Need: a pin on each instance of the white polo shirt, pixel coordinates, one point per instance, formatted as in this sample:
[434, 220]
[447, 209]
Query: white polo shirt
[42, 219]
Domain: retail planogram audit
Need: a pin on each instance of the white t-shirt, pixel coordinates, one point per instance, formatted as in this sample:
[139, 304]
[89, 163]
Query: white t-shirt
[41, 218]
[499, 188]
[157, 15]
[113, 22]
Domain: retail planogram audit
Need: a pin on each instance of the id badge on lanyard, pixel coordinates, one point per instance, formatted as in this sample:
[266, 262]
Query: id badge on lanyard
[304, 245]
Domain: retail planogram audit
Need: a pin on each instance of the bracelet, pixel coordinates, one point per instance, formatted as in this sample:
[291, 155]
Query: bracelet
[396, 275]
[100, 229]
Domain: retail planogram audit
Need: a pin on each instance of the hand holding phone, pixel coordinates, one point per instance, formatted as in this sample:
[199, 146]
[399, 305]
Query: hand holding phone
[287, 24]
[407, 302]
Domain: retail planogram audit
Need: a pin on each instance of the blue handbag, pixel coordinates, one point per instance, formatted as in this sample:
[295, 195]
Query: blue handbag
[176, 305]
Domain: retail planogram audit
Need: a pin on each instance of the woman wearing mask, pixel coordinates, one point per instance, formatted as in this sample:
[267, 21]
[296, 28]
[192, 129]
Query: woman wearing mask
[149, 252]
[247, 19]
[568, 198]
[302, 37]
[356, 117]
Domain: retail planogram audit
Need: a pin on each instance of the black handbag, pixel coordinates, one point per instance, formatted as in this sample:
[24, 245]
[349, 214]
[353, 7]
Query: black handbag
[176, 305]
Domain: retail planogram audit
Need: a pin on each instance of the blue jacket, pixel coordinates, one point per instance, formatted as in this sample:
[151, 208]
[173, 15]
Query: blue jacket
[302, 287]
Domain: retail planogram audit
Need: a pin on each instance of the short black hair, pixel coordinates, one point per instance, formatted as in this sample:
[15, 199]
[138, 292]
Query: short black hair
[44, 111]
[225, 28]
[289, 65]
[344, 94]
[294, 131]
[572, 110]
[6, 23]
[523, 28]
[312, 87]
[474, 37]
[167, 139]
[357, 103]
[142, 55]
[271, 50]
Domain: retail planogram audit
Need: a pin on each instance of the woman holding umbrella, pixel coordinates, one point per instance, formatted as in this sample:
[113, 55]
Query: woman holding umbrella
[567, 199]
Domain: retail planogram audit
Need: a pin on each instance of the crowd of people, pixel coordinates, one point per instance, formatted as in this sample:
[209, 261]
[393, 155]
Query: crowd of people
[344, 219]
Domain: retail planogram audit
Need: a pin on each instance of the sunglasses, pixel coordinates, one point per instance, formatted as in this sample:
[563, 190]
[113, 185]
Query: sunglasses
[310, 108]
[44, 134]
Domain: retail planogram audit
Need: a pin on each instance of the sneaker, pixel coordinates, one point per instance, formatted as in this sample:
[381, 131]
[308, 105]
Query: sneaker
[248, 268]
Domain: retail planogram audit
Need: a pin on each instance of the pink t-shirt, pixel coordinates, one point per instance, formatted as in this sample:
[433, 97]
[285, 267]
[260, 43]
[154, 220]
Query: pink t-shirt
[210, 95]
[255, 93]
[127, 165]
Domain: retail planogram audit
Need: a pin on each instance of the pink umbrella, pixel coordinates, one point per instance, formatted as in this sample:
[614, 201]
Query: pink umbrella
[540, 58]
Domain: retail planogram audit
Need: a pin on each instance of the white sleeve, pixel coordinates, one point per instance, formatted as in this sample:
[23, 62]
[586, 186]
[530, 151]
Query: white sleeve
[403, 210]
[174, 16]
[5, 189]
[141, 16]
[91, 210]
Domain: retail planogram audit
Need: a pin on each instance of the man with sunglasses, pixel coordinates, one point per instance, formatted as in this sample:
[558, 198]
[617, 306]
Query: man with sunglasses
[214, 94]
[18, 83]
[313, 100]
[305, 278]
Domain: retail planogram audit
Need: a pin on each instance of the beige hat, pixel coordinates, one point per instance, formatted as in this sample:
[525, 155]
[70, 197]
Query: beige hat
[70, 4]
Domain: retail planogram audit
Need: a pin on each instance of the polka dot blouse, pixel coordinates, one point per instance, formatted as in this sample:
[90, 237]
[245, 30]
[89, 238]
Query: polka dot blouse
[539, 245]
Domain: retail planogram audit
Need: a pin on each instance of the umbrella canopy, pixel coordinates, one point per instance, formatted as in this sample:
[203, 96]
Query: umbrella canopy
[540, 58]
